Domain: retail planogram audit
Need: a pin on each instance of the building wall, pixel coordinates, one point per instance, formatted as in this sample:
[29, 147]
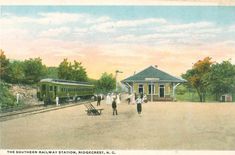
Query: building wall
[136, 87]
[168, 90]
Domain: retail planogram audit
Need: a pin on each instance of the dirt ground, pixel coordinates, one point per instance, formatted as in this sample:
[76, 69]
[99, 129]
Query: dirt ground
[162, 125]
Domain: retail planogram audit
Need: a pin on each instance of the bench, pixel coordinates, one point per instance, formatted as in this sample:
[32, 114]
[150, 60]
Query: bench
[91, 110]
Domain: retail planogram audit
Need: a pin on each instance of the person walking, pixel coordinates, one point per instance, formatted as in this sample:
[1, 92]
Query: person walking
[98, 100]
[114, 106]
[129, 99]
[139, 104]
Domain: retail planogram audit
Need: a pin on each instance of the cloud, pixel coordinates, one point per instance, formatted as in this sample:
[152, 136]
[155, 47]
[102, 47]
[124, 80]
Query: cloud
[55, 32]
[196, 25]
[10, 20]
[170, 33]
[57, 18]
[112, 25]
[231, 28]
[139, 22]
[104, 44]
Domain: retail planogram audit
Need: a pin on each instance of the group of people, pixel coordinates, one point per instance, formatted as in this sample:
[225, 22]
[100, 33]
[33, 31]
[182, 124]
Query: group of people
[131, 99]
[115, 99]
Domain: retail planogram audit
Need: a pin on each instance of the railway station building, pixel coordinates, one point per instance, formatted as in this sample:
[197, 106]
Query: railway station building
[157, 85]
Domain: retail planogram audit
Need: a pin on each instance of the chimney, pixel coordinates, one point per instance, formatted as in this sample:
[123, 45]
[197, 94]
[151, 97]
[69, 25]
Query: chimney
[134, 72]
[155, 66]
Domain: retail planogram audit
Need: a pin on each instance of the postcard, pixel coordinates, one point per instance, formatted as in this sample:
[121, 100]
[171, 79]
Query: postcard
[117, 78]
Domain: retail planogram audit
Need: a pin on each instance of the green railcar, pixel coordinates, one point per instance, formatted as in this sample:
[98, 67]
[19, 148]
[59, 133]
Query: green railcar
[65, 90]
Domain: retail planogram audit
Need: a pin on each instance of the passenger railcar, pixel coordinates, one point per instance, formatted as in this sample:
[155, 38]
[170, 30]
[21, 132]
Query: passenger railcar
[65, 90]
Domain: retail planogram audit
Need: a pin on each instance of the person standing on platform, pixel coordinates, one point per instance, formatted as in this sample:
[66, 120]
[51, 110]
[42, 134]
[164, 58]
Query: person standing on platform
[139, 104]
[129, 99]
[108, 99]
[114, 106]
[98, 100]
[118, 99]
[133, 98]
[57, 100]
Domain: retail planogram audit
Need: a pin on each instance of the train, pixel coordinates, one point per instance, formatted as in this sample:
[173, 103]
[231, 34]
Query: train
[65, 90]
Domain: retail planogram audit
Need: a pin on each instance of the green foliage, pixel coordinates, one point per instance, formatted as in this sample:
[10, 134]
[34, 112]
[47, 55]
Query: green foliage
[196, 77]
[34, 70]
[106, 83]
[221, 79]
[181, 89]
[52, 72]
[6, 98]
[4, 63]
[72, 71]
[211, 79]
[16, 73]
[29, 71]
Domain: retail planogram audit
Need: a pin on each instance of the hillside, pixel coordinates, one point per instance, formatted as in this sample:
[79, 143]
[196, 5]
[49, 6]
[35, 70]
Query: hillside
[28, 94]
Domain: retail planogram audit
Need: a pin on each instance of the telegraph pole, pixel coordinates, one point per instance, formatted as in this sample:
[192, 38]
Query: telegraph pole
[116, 74]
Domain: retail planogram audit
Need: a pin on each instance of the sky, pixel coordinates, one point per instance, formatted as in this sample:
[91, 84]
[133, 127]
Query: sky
[125, 38]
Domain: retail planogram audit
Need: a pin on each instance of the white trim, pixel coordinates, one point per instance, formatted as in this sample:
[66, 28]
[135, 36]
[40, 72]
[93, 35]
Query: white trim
[131, 88]
[154, 88]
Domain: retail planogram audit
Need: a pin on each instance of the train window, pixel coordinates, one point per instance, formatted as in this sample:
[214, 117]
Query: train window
[43, 87]
[51, 88]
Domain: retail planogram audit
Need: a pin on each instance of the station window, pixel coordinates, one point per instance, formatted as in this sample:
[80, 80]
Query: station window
[151, 89]
[141, 89]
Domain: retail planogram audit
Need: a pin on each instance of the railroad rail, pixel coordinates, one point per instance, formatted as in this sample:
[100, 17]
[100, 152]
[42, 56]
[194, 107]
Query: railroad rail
[37, 109]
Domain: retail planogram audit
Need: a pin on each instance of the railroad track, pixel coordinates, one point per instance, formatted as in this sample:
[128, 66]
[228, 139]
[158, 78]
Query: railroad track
[39, 109]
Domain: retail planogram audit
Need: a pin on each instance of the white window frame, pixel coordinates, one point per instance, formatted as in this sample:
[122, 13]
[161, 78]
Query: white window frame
[164, 90]
[154, 88]
[139, 87]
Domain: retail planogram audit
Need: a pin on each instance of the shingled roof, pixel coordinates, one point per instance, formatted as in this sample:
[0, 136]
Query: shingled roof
[153, 72]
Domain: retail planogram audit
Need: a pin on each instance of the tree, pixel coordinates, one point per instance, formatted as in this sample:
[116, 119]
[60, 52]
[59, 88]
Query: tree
[4, 63]
[106, 83]
[34, 70]
[69, 71]
[15, 72]
[52, 72]
[197, 77]
[79, 72]
[222, 79]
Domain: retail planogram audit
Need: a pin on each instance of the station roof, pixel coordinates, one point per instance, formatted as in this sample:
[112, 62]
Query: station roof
[152, 73]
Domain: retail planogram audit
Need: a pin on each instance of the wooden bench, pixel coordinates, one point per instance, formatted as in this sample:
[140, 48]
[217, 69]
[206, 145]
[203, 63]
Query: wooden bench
[91, 110]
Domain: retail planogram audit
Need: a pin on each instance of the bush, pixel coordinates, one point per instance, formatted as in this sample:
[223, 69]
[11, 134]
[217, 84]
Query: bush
[6, 98]
[181, 90]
